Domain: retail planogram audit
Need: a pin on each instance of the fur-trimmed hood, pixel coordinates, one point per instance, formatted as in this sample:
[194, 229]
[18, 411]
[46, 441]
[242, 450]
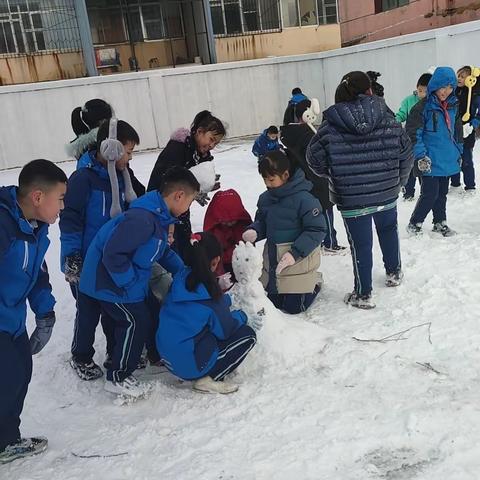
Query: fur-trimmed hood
[76, 148]
[180, 135]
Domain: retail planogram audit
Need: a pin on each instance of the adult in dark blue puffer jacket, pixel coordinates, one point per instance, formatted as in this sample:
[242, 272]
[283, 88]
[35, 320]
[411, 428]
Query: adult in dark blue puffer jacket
[367, 157]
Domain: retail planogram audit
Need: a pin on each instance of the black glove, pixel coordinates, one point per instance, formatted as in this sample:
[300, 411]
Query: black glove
[41, 335]
[73, 268]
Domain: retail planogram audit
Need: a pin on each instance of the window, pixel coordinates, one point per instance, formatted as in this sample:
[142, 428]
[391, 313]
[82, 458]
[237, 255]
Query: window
[111, 22]
[290, 13]
[28, 26]
[308, 12]
[384, 5]
[327, 11]
[238, 17]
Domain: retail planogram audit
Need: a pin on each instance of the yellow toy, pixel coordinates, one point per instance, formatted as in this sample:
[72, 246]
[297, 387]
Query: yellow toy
[470, 82]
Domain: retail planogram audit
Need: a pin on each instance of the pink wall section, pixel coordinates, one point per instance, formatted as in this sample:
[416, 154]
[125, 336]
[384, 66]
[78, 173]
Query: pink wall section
[360, 24]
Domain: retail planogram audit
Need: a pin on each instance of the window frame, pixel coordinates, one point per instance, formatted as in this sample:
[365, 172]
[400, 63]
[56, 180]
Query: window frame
[243, 24]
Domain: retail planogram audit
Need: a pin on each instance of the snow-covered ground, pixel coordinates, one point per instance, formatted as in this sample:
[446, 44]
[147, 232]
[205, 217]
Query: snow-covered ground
[402, 409]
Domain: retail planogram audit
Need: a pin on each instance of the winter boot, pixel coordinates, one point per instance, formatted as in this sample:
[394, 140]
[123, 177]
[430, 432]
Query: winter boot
[394, 279]
[130, 387]
[414, 229]
[25, 447]
[444, 229]
[209, 385]
[86, 371]
[364, 302]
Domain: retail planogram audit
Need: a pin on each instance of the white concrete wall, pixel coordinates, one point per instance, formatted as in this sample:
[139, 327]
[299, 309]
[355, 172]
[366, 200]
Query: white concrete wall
[250, 95]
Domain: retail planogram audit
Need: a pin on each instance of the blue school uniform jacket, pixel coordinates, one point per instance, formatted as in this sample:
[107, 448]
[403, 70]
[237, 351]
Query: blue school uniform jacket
[190, 325]
[432, 136]
[23, 271]
[87, 206]
[264, 144]
[118, 263]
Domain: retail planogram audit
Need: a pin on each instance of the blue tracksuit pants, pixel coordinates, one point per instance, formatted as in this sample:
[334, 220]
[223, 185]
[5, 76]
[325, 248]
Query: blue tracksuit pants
[15, 375]
[132, 322]
[433, 197]
[360, 238]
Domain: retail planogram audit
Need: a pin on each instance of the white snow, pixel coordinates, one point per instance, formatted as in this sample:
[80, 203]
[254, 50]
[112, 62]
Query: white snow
[355, 410]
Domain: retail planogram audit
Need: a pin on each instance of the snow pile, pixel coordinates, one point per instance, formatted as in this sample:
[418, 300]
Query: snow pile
[285, 340]
[385, 405]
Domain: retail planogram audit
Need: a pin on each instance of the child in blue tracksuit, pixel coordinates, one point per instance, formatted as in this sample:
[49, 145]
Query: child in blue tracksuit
[89, 204]
[291, 220]
[199, 338]
[436, 131]
[25, 212]
[117, 270]
[266, 142]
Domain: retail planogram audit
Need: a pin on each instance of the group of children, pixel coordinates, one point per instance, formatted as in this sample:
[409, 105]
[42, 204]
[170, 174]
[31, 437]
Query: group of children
[133, 263]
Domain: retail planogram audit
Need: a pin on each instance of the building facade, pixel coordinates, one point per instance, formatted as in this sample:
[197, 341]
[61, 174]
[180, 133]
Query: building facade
[44, 39]
[369, 20]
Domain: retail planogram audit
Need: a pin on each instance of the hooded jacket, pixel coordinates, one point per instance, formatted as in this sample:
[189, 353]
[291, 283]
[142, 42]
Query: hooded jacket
[363, 151]
[291, 215]
[190, 326]
[436, 128]
[263, 144]
[118, 263]
[296, 137]
[23, 271]
[87, 206]
[226, 207]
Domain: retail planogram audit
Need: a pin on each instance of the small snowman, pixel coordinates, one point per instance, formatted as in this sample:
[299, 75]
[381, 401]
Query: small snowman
[287, 336]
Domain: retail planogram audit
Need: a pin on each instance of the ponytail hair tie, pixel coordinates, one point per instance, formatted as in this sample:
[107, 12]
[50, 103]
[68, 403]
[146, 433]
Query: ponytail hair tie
[195, 238]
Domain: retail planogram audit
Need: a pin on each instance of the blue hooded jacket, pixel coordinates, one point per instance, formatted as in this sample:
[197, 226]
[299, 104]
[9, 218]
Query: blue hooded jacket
[289, 214]
[429, 131]
[264, 144]
[118, 263]
[363, 151]
[191, 323]
[87, 206]
[23, 271]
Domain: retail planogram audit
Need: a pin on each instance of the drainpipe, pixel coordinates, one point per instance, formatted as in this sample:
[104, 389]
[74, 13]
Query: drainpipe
[86, 38]
[209, 31]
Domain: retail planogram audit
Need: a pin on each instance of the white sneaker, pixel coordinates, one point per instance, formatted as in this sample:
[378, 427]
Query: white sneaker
[130, 387]
[394, 279]
[364, 302]
[209, 385]
[25, 447]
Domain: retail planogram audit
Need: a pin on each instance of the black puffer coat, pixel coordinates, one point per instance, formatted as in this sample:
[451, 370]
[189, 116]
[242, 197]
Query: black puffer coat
[296, 137]
[363, 151]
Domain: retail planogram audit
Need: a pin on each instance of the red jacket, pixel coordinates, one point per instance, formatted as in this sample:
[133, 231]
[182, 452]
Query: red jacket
[226, 206]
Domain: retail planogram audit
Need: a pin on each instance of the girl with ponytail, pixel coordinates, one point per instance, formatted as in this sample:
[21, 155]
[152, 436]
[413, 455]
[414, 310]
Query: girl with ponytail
[199, 338]
[86, 122]
[191, 148]
[367, 158]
